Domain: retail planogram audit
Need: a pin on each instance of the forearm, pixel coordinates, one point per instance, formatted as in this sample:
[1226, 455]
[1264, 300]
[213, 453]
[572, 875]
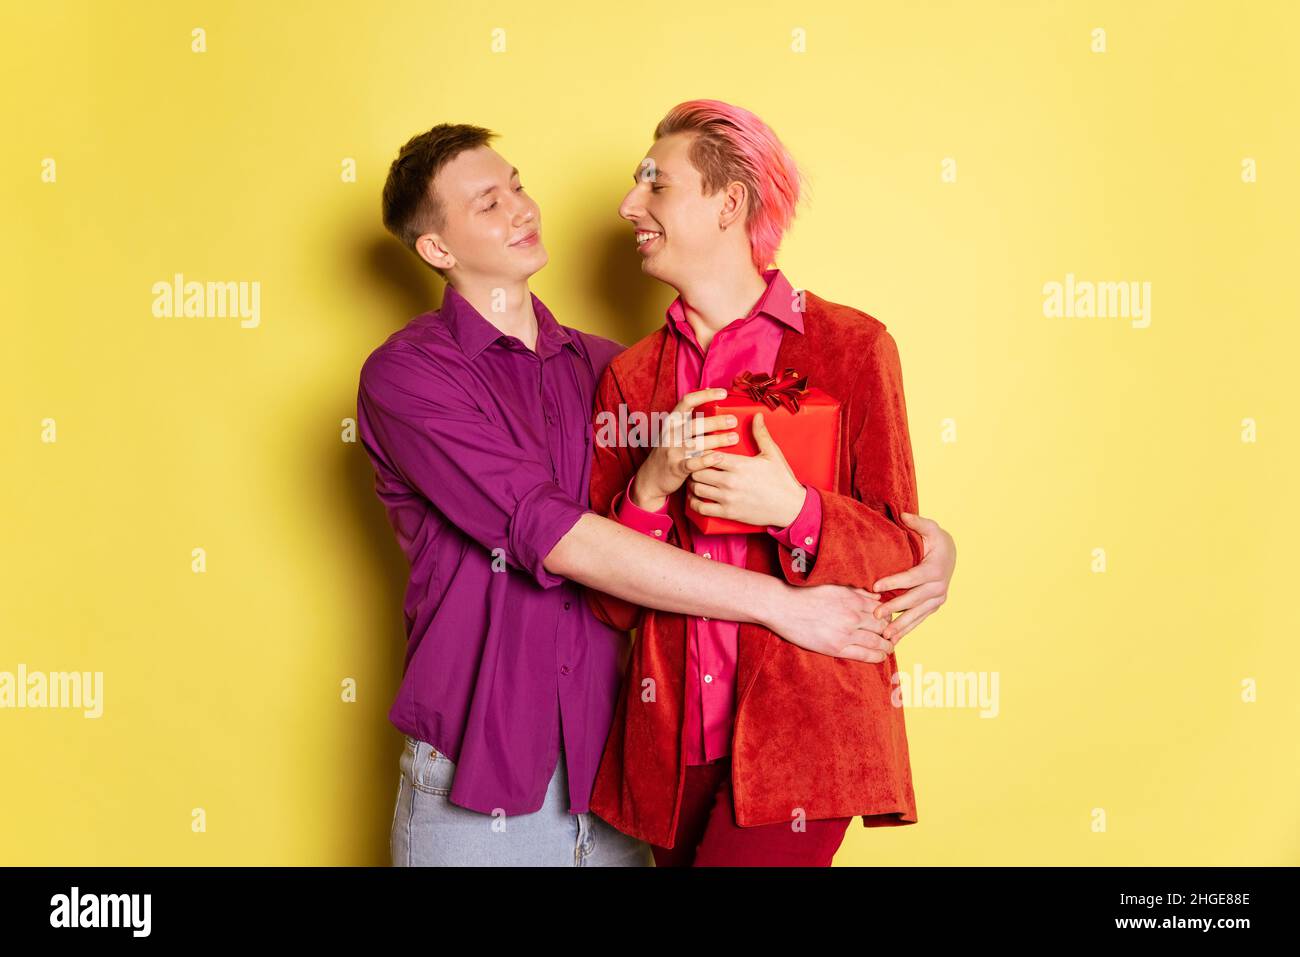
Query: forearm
[627, 564]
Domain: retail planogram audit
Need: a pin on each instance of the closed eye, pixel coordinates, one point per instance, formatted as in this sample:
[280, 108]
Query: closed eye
[486, 209]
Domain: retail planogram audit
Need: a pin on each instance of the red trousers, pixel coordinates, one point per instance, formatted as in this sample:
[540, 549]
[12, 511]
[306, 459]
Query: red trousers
[708, 836]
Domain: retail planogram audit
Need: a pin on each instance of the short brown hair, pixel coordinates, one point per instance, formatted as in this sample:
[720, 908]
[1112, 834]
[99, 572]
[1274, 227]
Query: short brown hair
[411, 206]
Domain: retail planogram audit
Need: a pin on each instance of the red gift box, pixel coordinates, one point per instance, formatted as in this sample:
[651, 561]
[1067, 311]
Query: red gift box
[804, 422]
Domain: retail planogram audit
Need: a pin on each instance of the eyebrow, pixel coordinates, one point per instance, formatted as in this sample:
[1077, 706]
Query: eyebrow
[659, 174]
[514, 171]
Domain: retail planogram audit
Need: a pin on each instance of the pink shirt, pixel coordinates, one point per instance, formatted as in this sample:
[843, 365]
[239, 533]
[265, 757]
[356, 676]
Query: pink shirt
[746, 344]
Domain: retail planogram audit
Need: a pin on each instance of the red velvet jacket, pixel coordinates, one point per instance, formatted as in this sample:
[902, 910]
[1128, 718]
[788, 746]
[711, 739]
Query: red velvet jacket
[812, 732]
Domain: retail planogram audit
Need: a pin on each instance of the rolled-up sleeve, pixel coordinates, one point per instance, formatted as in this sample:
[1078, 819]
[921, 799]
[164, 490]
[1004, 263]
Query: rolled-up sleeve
[415, 417]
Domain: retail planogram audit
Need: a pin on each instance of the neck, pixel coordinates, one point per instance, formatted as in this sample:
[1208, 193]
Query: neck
[715, 301]
[507, 305]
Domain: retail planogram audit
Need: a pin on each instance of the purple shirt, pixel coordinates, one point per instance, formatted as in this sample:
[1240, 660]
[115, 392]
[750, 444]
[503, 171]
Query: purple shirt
[482, 454]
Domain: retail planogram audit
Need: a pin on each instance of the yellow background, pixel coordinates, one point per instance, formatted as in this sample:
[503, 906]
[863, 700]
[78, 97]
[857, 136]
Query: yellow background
[1119, 690]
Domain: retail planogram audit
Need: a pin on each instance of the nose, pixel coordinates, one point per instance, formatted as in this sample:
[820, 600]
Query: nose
[526, 212]
[631, 208]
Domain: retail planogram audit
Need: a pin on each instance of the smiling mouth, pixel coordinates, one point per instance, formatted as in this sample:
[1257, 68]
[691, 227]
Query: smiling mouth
[527, 240]
[644, 236]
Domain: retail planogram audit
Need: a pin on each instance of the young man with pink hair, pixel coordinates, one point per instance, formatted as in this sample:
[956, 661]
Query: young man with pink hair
[729, 745]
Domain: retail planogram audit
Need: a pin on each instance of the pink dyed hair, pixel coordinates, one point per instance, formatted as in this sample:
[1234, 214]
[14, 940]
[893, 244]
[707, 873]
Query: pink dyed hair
[734, 144]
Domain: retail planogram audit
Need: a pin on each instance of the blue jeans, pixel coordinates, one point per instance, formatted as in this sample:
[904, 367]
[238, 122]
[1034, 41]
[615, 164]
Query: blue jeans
[428, 830]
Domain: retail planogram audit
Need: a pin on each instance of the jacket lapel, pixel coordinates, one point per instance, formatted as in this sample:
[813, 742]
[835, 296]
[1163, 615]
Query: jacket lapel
[663, 401]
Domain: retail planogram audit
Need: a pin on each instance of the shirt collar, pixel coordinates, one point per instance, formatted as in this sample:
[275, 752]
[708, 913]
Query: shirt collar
[776, 301]
[474, 333]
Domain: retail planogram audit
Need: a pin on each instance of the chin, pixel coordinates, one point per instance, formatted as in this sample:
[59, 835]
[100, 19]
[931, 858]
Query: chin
[656, 270]
[526, 266]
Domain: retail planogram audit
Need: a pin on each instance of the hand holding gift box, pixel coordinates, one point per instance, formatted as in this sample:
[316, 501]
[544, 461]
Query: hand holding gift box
[804, 422]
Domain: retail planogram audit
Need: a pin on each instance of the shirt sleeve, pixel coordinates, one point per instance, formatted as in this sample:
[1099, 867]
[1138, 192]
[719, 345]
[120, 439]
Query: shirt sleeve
[806, 528]
[656, 524]
[414, 417]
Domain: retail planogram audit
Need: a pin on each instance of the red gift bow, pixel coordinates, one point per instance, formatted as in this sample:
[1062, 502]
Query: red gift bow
[785, 389]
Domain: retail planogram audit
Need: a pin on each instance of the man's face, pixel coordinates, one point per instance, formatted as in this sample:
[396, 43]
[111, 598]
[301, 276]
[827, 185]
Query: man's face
[491, 227]
[676, 225]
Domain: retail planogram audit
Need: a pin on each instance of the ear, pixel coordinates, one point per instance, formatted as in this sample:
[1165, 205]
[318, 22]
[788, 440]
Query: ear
[433, 250]
[735, 205]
